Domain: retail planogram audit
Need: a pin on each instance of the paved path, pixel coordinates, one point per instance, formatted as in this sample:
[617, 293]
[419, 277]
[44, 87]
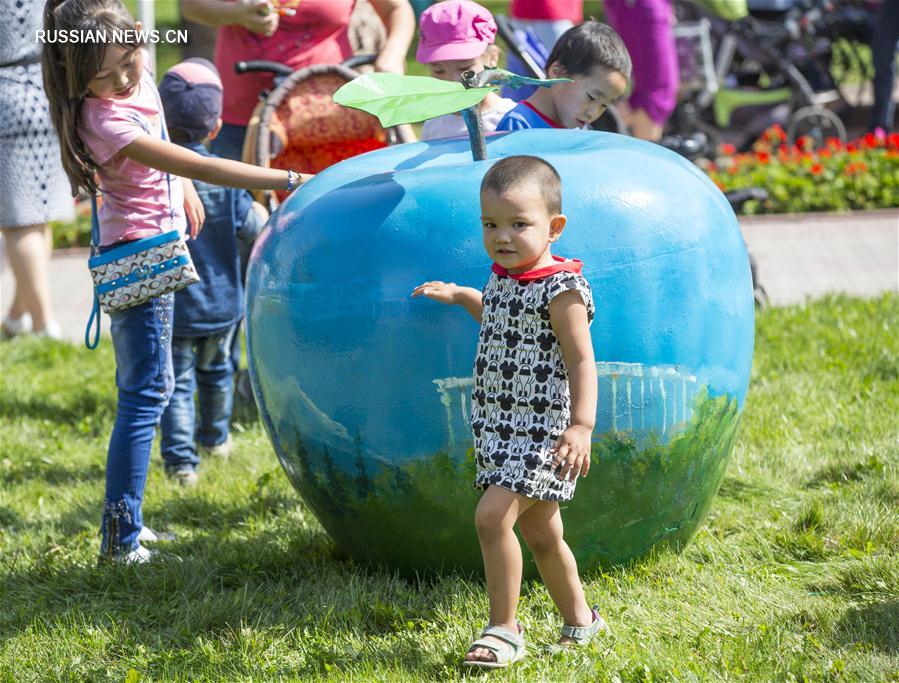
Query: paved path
[70, 289]
[810, 255]
[798, 257]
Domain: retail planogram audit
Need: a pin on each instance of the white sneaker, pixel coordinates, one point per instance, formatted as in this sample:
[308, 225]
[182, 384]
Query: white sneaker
[14, 327]
[51, 330]
[184, 477]
[222, 450]
[147, 535]
[139, 555]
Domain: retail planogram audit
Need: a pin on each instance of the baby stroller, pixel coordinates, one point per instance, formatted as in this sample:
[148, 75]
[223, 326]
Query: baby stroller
[772, 64]
[297, 125]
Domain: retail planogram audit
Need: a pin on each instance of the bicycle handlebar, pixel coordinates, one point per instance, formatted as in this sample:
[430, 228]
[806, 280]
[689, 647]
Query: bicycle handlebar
[278, 69]
[261, 65]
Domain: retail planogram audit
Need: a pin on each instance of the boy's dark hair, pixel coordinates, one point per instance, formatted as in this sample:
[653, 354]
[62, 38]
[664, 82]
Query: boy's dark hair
[513, 171]
[587, 45]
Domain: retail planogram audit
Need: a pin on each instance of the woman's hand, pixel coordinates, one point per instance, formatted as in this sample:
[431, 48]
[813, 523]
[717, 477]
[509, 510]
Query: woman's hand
[572, 453]
[257, 16]
[389, 63]
[193, 208]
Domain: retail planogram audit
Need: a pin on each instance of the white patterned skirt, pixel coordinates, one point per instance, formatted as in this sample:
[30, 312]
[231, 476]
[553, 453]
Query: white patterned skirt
[33, 187]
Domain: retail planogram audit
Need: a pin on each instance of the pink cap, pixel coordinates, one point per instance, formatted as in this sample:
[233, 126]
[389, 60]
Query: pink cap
[454, 29]
[198, 71]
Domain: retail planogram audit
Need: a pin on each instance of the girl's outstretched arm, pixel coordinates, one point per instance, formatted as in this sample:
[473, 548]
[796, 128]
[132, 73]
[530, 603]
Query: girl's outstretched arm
[451, 293]
[171, 158]
[568, 317]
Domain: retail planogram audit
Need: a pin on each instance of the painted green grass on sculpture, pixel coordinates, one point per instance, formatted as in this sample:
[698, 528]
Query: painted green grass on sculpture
[636, 496]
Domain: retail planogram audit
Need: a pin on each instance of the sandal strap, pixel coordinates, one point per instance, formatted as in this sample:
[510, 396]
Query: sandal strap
[504, 634]
[584, 634]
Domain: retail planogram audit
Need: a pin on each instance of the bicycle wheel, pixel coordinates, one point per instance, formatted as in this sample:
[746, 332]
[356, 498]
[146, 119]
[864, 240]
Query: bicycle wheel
[817, 123]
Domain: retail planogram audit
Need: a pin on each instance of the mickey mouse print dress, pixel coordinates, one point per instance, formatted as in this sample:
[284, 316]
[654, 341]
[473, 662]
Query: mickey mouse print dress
[520, 398]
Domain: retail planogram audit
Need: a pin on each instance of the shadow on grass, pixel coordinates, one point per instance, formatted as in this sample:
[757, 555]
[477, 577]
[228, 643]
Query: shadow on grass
[78, 405]
[9, 518]
[207, 513]
[274, 586]
[52, 473]
[741, 490]
[843, 472]
[875, 623]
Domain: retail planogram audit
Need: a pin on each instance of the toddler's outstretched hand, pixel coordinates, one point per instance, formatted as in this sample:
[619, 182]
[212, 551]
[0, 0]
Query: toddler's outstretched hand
[572, 453]
[444, 292]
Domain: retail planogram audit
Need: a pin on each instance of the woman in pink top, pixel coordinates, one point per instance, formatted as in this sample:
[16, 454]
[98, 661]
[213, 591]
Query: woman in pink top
[571, 11]
[647, 28]
[297, 33]
[106, 112]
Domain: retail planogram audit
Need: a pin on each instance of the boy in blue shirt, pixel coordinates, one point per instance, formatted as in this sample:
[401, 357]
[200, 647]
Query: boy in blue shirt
[594, 58]
[207, 313]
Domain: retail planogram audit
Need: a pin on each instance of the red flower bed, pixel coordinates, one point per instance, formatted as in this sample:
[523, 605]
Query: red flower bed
[862, 174]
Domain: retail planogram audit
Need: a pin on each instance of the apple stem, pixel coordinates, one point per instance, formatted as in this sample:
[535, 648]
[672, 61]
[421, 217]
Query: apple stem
[473, 120]
[493, 77]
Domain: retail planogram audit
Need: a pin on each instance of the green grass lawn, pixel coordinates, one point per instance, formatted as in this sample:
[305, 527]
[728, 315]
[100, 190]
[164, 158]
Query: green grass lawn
[795, 575]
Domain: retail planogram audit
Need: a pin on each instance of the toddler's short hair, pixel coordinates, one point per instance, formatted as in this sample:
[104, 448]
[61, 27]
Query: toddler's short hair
[512, 171]
[591, 44]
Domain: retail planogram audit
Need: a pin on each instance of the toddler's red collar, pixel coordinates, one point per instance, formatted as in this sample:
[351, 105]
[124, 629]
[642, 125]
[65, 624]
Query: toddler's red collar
[568, 265]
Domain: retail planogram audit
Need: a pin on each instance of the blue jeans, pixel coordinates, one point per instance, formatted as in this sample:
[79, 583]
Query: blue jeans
[202, 364]
[141, 337]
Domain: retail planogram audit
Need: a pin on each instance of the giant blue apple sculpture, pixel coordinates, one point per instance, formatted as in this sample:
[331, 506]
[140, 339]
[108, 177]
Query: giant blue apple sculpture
[364, 391]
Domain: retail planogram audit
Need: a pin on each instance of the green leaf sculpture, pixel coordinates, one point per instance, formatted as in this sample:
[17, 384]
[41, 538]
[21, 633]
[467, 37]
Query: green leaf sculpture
[397, 99]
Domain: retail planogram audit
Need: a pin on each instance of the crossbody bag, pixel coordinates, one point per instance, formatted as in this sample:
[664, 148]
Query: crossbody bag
[137, 271]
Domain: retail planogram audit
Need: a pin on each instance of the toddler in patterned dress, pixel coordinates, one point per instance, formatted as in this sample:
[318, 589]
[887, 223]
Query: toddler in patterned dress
[533, 403]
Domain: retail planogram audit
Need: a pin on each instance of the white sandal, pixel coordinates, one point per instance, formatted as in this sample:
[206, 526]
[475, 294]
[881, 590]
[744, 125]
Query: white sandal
[508, 650]
[581, 635]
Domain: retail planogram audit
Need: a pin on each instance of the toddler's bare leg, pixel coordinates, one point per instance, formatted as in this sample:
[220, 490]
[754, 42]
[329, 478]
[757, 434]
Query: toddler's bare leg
[495, 518]
[541, 527]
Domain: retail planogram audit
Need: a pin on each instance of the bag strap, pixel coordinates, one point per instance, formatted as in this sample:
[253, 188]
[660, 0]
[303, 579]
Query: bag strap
[95, 238]
[95, 311]
[165, 136]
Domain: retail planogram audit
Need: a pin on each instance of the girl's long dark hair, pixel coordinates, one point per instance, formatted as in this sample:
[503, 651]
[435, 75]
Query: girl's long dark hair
[69, 67]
